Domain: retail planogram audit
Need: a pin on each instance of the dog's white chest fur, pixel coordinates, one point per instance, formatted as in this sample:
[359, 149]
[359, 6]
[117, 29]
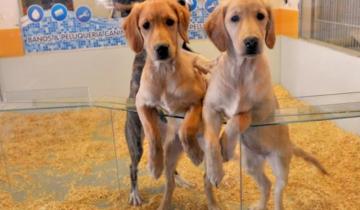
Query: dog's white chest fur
[237, 89]
[241, 102]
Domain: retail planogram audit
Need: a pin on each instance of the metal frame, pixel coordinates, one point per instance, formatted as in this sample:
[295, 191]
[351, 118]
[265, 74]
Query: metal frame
[1, 96]
[335, 22]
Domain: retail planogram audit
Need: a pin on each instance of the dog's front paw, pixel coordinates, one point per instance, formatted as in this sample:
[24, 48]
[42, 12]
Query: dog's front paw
[156, 162]
[134, 198]
[244, 122]
[214, 165]
[195, 153]
[190, 145]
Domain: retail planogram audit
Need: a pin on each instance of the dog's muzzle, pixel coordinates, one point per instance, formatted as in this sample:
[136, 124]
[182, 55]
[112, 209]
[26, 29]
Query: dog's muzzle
[251, 46]
[162, 51]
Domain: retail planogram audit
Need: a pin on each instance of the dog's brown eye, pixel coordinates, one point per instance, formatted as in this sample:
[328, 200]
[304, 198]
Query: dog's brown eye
[170, 22]
[260, 16]
[146, 25]
[235, 18]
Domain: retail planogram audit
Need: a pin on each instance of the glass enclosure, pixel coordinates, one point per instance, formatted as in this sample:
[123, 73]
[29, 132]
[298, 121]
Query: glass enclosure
[72, 154]
[68, 81]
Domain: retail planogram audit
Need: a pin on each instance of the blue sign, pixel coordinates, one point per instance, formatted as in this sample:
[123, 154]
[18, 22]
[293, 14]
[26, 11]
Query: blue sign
[69, 34]
[59, 12]
[35, 13]
[83, 14]
[61, 29]
[210, 5]
[198, 16]
[192, 4]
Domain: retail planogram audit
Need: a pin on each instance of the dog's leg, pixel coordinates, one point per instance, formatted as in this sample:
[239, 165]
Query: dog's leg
[254, 166]
[211, 201]
[203, 64]
[134, 141]
[280, 168]
[213, 158]
[187, 133]
[172, 151]
[228, 140]
[150, 122]
[172, 128]
[133, 130]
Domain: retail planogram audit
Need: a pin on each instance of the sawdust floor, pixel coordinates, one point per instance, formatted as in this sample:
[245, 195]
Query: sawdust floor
[66, 160]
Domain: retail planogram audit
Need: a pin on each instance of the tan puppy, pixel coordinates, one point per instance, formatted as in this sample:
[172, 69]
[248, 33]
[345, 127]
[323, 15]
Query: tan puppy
[169, 79]
[241, 89]
[173, 80]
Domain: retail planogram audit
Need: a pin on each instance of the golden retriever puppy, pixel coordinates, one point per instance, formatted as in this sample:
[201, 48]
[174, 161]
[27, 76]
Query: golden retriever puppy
[169, 80]
[240, 88]
[173, 80]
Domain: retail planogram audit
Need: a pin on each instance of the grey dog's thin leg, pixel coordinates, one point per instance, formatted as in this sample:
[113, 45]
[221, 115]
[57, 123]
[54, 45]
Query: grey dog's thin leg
[133, 130]
[134, 141]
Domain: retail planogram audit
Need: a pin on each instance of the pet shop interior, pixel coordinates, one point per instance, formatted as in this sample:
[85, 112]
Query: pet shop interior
[66, 74]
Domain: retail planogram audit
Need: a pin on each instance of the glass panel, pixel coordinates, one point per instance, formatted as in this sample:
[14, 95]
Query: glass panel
[335, 148]
[46, 94]
[291, 110]
[73, 153]
[189, 181]
[58, 159]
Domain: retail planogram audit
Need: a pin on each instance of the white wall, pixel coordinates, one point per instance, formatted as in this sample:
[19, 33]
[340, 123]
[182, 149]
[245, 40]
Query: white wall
[104, 72]
[276, 3]
[9, 14]
[311, 69]
[292, 4]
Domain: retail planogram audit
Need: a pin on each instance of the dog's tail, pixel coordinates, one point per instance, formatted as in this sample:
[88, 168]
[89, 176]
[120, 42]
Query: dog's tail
[309, 158]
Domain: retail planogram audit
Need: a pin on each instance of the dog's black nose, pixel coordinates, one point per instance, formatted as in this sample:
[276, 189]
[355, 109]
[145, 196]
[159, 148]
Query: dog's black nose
[182, 2]
[162, 51]
[251, 44]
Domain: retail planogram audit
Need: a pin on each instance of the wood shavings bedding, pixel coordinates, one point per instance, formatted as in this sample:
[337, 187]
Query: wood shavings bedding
[58, 140]
[77, 141]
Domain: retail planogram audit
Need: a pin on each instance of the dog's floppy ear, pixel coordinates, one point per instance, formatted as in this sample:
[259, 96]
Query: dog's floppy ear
[215, 28]
[270, 36]
[183, 15]
[132, 31]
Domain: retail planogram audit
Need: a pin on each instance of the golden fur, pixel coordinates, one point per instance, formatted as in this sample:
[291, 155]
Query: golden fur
[241, 89]
[176, 84]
